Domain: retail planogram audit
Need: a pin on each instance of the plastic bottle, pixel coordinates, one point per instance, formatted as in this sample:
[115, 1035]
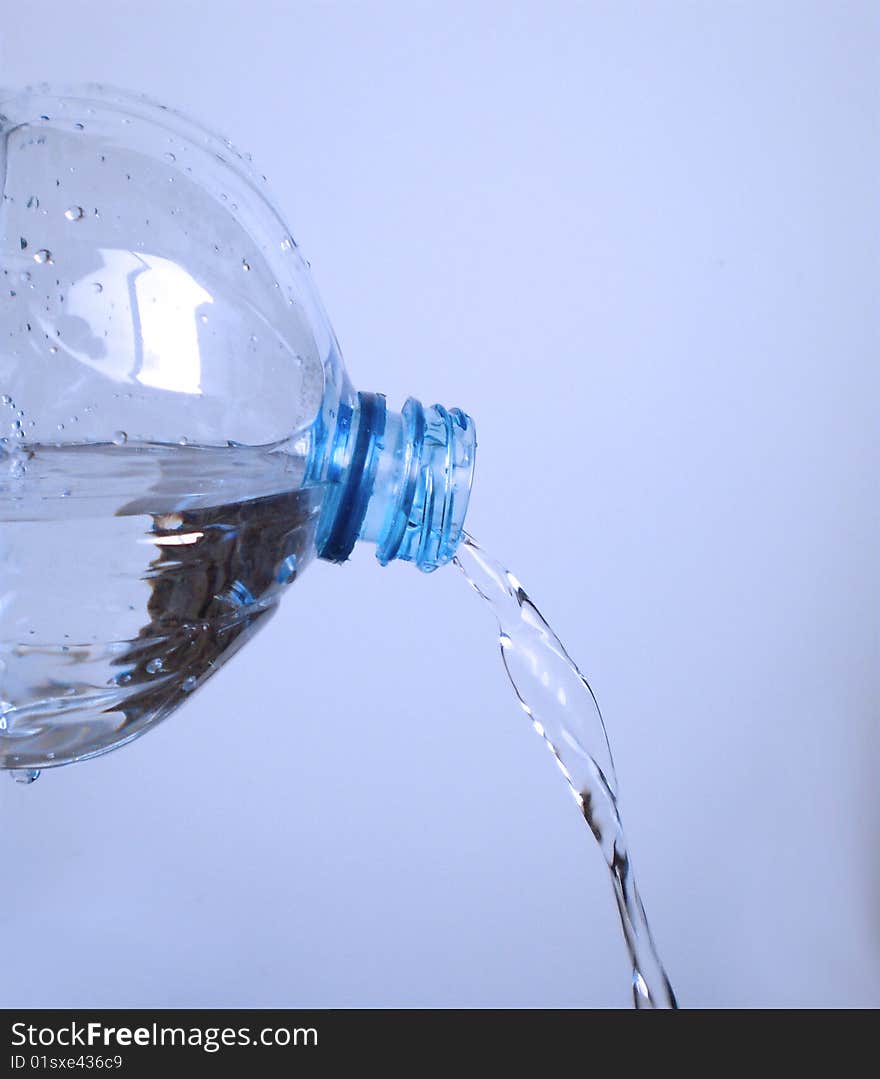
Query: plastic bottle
[167, 368]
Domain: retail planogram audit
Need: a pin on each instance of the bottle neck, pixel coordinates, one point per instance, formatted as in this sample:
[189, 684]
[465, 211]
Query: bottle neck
[400, 480]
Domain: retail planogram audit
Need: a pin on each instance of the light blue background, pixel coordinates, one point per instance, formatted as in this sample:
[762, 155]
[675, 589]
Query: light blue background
[639, 243]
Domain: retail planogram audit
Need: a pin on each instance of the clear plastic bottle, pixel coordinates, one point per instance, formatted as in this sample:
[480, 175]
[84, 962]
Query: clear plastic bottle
[179, 435]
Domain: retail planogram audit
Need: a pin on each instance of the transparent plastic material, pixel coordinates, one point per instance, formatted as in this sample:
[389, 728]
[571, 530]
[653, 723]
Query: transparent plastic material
[153, 282]
[179, 435]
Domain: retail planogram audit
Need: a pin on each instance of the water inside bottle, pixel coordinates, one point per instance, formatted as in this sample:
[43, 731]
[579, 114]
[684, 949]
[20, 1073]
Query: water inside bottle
[563, 709]
[131, 573]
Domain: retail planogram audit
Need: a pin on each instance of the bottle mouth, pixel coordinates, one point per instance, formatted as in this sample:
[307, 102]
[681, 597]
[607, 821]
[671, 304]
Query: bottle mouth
[399, 480]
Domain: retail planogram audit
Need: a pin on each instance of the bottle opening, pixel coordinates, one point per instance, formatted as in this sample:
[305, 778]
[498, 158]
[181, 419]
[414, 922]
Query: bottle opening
[401, 480]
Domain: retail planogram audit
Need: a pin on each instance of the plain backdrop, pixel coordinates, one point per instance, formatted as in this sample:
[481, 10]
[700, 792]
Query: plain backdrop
[638, 242]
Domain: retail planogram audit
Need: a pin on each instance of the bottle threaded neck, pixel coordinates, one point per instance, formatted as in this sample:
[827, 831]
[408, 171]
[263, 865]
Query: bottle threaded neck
[400, 480]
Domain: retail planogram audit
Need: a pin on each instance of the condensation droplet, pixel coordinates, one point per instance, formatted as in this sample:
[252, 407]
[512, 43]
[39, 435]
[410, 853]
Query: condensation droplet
[170, 157]
[188, 684]
[43, 256]
[154, 666]
[33, 203]
[245, 265]
[25, 775]
[120, 438]
[97, 287]
[74, 213]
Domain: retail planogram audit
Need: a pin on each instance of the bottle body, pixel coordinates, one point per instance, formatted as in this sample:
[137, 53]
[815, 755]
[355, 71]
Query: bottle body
[164, 358]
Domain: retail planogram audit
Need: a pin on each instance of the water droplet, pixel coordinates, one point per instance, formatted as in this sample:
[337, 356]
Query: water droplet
[79, 126]
[33, 203]
[120, 438]
[97, 287]
[74, 213]
[5, 399]
[188, 684]
[23, 243]
[183, 441]
[287, 243]
[170, 157]
[203, 318]
[154, 666]
[25, 775]
[25, 277]
[245, 265]
[43, 256]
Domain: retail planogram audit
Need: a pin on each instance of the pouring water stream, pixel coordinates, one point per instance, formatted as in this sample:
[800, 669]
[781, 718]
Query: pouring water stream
[563, 709]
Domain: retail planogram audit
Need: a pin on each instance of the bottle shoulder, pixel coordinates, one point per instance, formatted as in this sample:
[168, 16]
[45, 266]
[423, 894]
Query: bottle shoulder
[154, 286]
